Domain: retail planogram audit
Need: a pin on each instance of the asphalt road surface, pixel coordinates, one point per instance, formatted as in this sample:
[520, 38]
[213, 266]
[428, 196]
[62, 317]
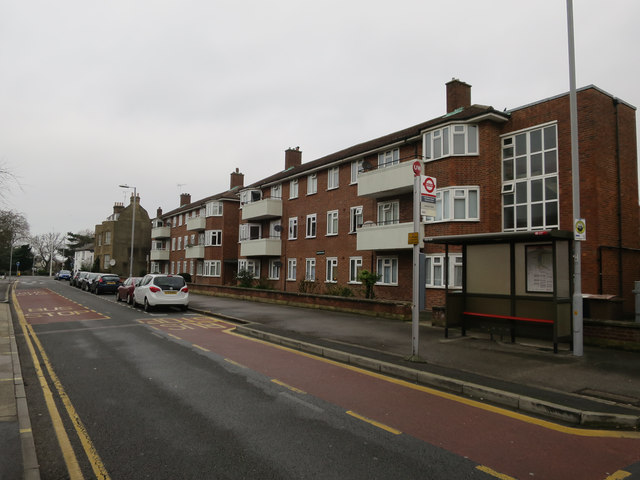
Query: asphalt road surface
[115, 392]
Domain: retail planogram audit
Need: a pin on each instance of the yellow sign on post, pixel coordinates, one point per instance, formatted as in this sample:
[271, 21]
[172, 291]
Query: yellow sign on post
[413, 238]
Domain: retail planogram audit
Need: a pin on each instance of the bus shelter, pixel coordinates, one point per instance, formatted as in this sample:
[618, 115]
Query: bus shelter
[516, 284]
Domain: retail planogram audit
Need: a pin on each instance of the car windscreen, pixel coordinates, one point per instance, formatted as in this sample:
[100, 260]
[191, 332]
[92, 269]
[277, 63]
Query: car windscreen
[169, 283]
[110, 278]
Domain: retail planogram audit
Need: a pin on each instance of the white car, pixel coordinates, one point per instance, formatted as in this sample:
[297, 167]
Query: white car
[161, 290]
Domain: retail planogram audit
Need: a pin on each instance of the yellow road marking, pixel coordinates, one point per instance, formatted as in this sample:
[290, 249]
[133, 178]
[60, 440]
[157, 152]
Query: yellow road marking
[493, 473]
[201, 348]
[293, 389]
[234, 363]
[619, 475]
[450, 396]
[170, 334]
[374, 423]
[69, 456]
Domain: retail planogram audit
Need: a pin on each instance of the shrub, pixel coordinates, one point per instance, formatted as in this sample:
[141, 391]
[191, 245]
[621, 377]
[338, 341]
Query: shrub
[338, 290]
[306, 286]
[245, 278]
[186, 276]
[368, 279]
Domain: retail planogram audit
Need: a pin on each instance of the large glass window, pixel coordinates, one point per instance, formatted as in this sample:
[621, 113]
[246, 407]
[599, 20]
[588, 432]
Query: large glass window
[312, 184]
[356, 168]
[388, 213]
[457, 204]
[333, 178]
[274, 269]
[355, 220]
[292, 266]
[530, 180]
[451, 140]
[250, 231]
[436, 267]
[293, 188]
[213, 238]
[388, 270]
[388, 158]
[211, 268]
[214, 209]
[310, 270]
[332, 270]
[355, 266]
[332, 222]
[311, 226]
[293, 228]
[251, 266]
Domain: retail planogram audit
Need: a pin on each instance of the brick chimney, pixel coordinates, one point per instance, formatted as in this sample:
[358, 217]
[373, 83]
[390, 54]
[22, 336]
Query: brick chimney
[292, 158]
[237, 180]
[458, 95]
[117, 208]
[159, 212]
[185, 199]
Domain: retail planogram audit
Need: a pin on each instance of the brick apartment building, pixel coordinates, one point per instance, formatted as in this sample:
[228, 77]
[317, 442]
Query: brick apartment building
[112, 249]
[314, 226]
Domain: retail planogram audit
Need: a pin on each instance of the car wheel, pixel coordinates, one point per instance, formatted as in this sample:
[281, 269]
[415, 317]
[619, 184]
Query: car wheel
[147, 307]
[183, 308]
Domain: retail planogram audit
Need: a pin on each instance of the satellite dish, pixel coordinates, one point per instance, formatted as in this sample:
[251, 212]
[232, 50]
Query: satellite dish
[112, 262]
[278, 228]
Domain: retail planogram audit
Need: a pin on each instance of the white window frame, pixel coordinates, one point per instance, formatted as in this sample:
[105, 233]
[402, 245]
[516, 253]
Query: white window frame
[389, 212]
[212, 268]
[355, 267]
[311, 228]
[107, 259]
[435, 268]
[213, 238]
[251, 266]
[530, 168]
[293, 228]
[107, 237]
[332, 223]
[292, 267]
[355, 218]
[332, 270]
[246, 229]
[310, 270]
[274, 268]
[276, 191]
[179, 243]
[312, 184]
[356, 168]
[386, 264]
[389, 158]
[293, 188]
[333, 178]
[214, 209]
[440, 142]
[446, 199]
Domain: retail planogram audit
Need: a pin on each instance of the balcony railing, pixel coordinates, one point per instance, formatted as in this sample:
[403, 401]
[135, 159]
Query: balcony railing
[158, 255]
[261, 247]
[194, 251]
[385, 181]
[196, 223]
[161, 232]
[386, 236]
[262, 209]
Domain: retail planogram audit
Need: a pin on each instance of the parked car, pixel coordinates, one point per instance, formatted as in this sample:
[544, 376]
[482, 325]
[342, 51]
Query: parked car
[105, 283]
[87, 281]
[157, 289]
[76, 280]
[125, 290]
[63, 275]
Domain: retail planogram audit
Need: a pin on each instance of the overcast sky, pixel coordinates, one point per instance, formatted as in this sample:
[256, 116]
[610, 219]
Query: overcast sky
[172, 96]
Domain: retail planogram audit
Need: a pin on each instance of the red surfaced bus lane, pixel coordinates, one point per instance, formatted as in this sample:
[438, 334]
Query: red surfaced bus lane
[497, 439]
[41, 306]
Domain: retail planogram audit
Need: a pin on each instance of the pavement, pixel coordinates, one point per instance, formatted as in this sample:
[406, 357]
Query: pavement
[599, 390]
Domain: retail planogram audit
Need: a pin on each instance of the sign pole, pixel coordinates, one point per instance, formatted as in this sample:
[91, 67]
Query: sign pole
[415, 308]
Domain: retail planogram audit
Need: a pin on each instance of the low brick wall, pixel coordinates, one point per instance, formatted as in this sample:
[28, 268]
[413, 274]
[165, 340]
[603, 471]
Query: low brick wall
[612, 334]
[395, 310]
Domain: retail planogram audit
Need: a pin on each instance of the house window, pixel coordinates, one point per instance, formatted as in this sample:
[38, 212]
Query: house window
[333, 178]
[388, 158]
[451, 140]
[355, 219]
[356, 168]
[107, 259]
[250, 231]
[332, 222]
[173, 268]
[311, 226]
[388, 213]
[530, 180]
[250, 196]
[291, 269]
[275, 229]
[312, 184]
[457, 204]
[212, 268]
[107, 238]
[191, 270]
[214, 209]
[388, 270]
[274, 269]
[100, 240]
[276, 191]
[213, 238]
[355, 267]
[251, 266]
[186, 242]
[179, 243]
[310, 270]
[199, 268]
[293, 228]
[435, 269]
[293, 188]
[173, 244]
[332, 270]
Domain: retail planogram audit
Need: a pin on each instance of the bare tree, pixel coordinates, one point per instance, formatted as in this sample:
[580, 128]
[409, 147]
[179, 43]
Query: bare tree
[46, 246]
[7, 180]
[13, 229]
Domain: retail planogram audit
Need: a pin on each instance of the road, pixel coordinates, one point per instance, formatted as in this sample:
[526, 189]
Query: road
[173, 395]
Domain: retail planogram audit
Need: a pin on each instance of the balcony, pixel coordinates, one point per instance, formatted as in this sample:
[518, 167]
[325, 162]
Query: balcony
[386, 237]
[158, 255]
[262, 209]
[197, 224]
[161, 232]
[387, 181]
[194, 251]
[262, 247]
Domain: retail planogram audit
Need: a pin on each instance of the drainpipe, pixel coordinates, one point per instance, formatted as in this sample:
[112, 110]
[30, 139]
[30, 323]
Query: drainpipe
[620, 275]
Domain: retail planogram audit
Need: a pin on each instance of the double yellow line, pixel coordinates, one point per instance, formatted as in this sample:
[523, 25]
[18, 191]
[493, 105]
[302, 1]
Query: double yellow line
[70, 459]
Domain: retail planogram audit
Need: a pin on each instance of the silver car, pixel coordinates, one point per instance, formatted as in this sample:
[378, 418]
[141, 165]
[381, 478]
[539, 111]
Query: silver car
[161, 290]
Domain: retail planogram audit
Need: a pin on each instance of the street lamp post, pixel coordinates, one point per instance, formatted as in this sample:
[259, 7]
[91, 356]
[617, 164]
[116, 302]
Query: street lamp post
[133, 227]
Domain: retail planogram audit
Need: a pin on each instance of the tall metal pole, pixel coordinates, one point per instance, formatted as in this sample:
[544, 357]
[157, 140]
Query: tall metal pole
[575, 186]
[415, 308]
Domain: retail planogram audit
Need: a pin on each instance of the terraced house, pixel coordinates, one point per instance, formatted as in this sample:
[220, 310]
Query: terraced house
[312, 227]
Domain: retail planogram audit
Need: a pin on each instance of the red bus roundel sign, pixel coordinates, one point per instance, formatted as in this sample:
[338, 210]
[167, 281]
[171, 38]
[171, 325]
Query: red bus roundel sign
[417, 168]
[429, 186]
